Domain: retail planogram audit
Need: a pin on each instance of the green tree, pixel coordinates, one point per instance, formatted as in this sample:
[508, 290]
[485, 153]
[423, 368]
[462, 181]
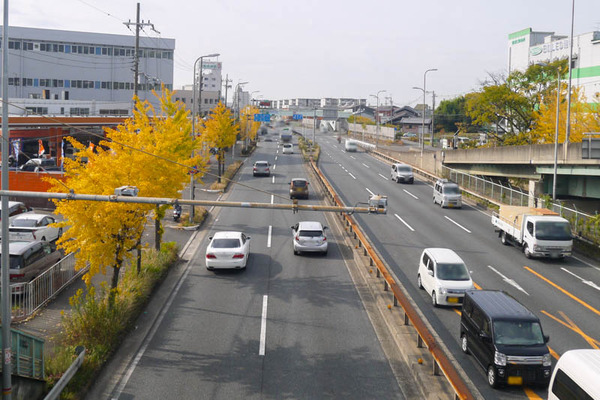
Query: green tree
[151, 151]
[451, 114]
[220, 132]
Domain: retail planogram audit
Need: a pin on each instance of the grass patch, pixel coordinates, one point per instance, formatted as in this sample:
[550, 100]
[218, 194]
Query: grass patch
[227, 176]
[100, 328]
[200, 214]
[308, 150]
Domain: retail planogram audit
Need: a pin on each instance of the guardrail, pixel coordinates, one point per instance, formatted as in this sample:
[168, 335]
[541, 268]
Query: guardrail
[28, 297]
[440, 359]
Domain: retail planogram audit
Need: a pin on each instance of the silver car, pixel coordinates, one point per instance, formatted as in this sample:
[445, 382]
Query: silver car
[309, 236]
[261, 168]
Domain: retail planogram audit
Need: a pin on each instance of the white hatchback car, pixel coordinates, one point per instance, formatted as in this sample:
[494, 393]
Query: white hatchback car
[309, 236]
[38, 224]
[444, 275]
[288, 148]
[228, 250]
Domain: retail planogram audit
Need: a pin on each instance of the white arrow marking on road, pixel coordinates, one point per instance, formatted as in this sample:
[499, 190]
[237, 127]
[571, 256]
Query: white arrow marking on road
[383, 177]
[589, 283]
[372, 194]
[263, 327]
[366, 165]
[410, 194]
[351, 175]
[507, 280]
[404, 222]
[457, 224]
[269, 237]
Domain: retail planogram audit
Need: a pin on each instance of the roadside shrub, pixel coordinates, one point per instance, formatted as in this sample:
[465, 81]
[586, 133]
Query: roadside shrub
[227, 176]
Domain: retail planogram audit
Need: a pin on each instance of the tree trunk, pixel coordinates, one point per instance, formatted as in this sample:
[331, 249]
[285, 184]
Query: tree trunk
[157, 234]
[114, 284]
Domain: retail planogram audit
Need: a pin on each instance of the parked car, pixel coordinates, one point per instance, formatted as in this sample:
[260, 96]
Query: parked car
[298, 188]
[228, 250]
[288, 148]
[15, 208]
[402, 173]
[38, 224]
[28, 259]
[309, 236]
[33, 163]
[409, 135]
[505, 338]
[447, 194]
[444, 276]
[261, 168]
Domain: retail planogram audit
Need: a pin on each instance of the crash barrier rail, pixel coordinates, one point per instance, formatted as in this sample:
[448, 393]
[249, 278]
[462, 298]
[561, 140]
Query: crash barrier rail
[500, 194]
[28, 297]
[67, 376]
[27, 353]
[424, 335]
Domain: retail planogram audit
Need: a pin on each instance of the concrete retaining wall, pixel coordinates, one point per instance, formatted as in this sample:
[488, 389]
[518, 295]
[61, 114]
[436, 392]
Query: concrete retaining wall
[371, 130]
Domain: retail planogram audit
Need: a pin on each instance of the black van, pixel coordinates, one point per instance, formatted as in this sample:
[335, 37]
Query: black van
[505, 338]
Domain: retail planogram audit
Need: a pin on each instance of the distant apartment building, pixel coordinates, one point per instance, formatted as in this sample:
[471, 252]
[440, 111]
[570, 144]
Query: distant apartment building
[527, 47]
[299, 103]
[83, 73]
[209, 96]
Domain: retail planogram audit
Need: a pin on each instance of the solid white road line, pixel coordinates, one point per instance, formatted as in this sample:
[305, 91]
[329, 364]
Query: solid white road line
[410, 194]
[263, 327]
[507, 280]
[269, 237]
[586, 263]
[274, 166]
[404, 222]
[353, 157]
[589, 283]
[276, 158]
[372, 194]
[272, 198]
[351, 175]
[366, 165]
[457, 224]
[273, 181]
[383, 177]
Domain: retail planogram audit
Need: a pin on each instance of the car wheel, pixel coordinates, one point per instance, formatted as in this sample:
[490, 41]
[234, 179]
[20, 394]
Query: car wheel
[464, 344]
[492, 378]
[526, 251]
[419, 283]
[296, 252]
[503, 238]
[434, 202]
[434, 299]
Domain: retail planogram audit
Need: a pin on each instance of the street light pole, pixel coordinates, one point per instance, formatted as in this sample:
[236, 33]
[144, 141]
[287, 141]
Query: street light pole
[556, 134]
[192, 181]
[424, 92]
[377, 118]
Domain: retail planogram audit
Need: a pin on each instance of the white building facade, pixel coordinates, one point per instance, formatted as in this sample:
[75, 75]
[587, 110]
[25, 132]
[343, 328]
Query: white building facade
[81, 67]
[527, 47]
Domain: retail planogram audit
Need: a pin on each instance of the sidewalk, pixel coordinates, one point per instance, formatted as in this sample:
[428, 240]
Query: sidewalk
[45, 324]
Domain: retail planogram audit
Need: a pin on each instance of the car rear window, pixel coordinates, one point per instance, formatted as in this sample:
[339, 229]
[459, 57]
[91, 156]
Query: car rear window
[261, 164]
[24, 223]
[299, 183]
[225, 243]
[287, 146]
[310, 233]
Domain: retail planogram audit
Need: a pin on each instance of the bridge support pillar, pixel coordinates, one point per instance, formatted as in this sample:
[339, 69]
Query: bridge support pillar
[535, 191]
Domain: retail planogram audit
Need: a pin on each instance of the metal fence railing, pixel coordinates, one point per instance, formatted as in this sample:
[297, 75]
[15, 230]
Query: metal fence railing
[495, 192]
[28, 354]
[27, 298]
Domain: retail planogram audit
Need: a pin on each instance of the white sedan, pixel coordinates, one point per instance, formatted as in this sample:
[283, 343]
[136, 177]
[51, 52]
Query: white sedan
[228, 250]
[38, 224]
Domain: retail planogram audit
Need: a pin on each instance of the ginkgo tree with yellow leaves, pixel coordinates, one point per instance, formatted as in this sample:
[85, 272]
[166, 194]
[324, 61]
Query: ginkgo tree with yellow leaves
[249, 127]
[152, 151]
[219, 131]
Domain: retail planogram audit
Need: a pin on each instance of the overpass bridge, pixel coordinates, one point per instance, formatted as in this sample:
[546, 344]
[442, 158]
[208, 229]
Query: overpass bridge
[577, 173]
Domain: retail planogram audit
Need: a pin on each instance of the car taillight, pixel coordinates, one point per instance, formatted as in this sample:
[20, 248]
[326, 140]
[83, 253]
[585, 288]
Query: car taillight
[324, 238]
[254, 168]
[211, 256]
[267, 170]
[297, 238]
[238, 255]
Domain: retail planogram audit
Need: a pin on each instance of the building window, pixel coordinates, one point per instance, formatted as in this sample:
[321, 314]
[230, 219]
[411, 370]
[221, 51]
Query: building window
[36, 110]
[79, 111]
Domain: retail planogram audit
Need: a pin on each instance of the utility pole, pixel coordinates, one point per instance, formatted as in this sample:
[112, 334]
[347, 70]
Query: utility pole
[136, 61]
[227, 86]
[432, 117]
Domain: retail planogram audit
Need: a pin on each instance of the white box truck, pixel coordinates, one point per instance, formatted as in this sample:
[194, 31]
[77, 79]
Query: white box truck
[538, 231]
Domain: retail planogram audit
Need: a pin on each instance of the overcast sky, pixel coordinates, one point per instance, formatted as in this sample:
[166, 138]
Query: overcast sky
[328, 48]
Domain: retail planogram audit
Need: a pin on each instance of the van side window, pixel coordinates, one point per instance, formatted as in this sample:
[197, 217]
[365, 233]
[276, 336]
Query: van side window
[477, 318]
[566, 389]
[530, 227]
[486, 327]
[425, 259]
[467, 306]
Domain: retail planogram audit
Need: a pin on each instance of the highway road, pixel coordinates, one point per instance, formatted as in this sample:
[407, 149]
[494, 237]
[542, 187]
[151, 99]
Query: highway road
[286, 327]
[565, 294]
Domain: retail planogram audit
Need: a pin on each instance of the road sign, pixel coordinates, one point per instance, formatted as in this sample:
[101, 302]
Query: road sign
[262, 117]
[297, 116]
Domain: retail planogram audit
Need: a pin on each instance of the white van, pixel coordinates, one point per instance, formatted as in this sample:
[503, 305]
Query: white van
[576, 376]
[351, 145]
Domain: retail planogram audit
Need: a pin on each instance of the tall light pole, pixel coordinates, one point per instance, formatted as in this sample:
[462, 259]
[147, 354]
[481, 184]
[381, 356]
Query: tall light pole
[424, 91]
[377, 118]
[247, 117]
[192, 182]
[237, 100]
[568, 132]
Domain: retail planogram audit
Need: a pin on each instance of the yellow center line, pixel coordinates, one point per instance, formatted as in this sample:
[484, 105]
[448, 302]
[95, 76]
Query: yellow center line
[531, 394]
[571, 325]
[583, 303]
[476, 286]
[457, 311]
[553, 353]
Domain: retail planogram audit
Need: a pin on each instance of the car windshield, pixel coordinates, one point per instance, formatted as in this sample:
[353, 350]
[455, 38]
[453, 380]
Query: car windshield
[451, 189]
[404, 168]
[518, 333]
[24, 223]
[310, 233]
[299, 183]
[452, 272]
[225, 243]
[555, 230]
